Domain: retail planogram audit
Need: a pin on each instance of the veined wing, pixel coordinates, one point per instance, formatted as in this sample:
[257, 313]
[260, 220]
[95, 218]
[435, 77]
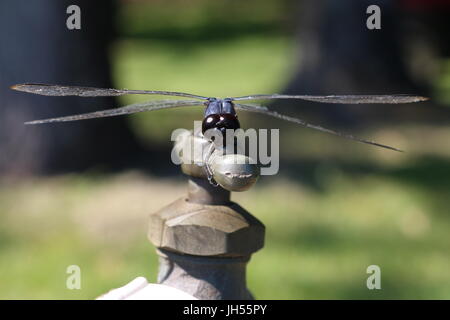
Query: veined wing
[132, 108]
[57, 90]
[264, 110]
[344, 99]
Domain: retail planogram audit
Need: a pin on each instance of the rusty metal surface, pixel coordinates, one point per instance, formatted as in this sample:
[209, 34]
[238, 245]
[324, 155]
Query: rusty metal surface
[206, 230]
[202, 192]
[204, 277]
[234, 172]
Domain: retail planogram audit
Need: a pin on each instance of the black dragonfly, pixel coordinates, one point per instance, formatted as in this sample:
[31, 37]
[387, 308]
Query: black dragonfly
[219, 113]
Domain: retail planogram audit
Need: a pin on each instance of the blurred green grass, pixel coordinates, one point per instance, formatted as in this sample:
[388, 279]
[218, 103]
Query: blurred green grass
[318, 244]
[230, 68]
[335, 208]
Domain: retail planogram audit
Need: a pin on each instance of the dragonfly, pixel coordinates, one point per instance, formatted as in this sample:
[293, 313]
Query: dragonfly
[219, 114]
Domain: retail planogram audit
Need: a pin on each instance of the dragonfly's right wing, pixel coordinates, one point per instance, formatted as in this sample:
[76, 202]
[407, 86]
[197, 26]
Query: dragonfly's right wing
[266, 111]
[132, 108]
[343, 99]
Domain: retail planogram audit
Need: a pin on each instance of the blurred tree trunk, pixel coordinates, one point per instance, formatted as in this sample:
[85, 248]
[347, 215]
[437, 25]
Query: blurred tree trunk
[338, 54]
[36, 46]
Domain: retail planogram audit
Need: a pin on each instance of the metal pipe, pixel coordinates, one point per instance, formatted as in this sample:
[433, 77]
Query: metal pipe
[204, 241]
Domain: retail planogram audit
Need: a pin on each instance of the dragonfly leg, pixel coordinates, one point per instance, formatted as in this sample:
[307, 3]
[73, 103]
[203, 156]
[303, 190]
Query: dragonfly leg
[209, 171]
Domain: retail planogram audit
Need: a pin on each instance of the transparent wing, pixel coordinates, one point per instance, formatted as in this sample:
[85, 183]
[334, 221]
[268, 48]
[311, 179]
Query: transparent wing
[56, 90]
[346, 99]
[264, 110]
[132, 108]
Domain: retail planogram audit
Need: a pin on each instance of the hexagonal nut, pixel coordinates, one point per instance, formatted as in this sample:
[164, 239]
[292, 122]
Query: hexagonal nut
[206, 230]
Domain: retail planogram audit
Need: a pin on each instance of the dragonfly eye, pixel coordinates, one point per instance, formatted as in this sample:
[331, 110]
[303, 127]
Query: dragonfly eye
[222, 122]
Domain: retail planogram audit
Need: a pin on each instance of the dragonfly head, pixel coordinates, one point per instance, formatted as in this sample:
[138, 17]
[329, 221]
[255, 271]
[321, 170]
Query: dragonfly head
[220, 115]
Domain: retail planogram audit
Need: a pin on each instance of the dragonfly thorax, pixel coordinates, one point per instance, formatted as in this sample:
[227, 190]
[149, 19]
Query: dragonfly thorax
[219, 106]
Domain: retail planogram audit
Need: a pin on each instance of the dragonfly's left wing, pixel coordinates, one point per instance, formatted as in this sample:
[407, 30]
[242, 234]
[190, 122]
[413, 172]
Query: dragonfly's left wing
[132, 108]
[266, 111]
[344, 99]
[62, 91]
